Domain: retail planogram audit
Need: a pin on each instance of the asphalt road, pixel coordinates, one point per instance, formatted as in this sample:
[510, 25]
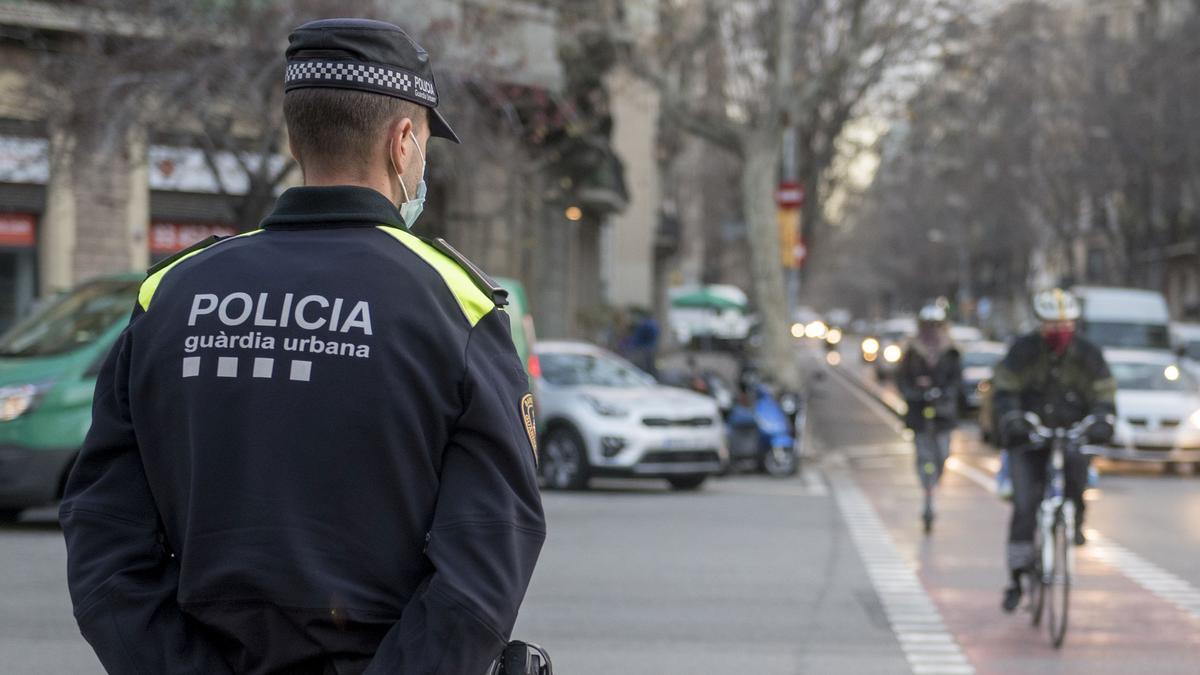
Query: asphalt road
[824, 573]
[1135, 602]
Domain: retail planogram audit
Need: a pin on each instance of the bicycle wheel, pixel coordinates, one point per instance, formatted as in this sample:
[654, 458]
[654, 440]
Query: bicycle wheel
[1059, 591]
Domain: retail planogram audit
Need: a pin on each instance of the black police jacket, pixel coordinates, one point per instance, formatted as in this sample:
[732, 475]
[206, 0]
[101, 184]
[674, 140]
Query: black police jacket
[311, 451]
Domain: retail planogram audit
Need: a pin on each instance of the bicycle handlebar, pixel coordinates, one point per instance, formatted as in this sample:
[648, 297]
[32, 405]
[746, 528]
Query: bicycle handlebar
[1079, 430]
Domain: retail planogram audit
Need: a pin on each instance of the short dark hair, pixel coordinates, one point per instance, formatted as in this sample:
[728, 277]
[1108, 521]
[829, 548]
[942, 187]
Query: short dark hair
[337, 127]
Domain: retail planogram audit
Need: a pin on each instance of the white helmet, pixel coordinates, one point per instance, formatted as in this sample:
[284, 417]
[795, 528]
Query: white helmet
[1056, 305]
[932, 313]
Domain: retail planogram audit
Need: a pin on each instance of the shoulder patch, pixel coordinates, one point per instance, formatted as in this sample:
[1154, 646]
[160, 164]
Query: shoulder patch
[473, 301]
[527, 415]
[156, 273]
[482, 281]
[171, 260]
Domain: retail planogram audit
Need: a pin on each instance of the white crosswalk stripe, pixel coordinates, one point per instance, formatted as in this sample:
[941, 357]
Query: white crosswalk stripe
[1146, 574]
[914, 619]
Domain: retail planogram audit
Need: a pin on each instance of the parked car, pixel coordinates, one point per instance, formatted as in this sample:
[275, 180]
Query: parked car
[978, 360]
[1158, 408]
[599, 415]
[48, 367]
[1124, 318]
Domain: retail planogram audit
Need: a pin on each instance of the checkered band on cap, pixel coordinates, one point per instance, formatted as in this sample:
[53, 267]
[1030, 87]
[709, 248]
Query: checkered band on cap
[354, 75]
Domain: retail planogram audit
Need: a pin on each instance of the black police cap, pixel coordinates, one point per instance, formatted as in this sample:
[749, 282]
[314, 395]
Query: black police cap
[364, 55]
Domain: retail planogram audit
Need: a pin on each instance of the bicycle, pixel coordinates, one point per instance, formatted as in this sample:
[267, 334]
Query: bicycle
[1050, 579]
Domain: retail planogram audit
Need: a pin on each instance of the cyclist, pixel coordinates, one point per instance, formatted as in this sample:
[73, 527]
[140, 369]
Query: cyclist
[930, 379]
[1062, 378]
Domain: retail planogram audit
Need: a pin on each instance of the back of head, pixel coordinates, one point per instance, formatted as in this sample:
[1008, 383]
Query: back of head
[343, 130]
[347, 83]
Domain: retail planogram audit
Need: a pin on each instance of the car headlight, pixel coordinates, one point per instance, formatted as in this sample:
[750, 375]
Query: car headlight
[892, 353]
[834, 336]
[870, 346]
[18, 400]
[604, 408]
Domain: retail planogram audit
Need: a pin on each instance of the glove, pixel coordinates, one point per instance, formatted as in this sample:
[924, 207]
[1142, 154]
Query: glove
[1016, 431]
[1100, 432]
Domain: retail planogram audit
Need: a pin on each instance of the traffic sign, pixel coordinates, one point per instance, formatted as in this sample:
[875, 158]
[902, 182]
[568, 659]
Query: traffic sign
[790, 195]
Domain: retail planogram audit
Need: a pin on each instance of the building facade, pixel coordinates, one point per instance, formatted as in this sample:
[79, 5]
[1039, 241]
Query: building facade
[521, 196]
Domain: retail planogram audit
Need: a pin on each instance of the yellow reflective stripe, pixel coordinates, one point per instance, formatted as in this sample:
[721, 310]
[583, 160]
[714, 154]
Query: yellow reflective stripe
[1105, 389]
[475, 305]
[150, 285]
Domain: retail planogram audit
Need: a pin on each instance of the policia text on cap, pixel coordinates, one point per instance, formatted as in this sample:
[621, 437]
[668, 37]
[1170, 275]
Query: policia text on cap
[312, 448]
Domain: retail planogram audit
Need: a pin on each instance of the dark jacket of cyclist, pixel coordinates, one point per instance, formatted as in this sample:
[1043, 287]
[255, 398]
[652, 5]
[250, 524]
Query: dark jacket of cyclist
[1062, 378]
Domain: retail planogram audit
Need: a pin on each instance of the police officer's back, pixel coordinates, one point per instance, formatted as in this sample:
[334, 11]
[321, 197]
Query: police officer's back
[312, 449]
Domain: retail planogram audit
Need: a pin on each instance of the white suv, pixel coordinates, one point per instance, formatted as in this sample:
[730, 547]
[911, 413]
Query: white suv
[599, 415]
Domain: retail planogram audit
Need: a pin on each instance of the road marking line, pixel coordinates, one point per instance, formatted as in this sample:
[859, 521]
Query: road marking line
[942, 670]
[1146, 574]
[813, 483]
[912, 616]
[926, 648]
[981, 478]
[941, 659]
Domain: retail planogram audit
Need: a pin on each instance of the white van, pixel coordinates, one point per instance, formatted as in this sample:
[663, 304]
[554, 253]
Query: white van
[1124, 318]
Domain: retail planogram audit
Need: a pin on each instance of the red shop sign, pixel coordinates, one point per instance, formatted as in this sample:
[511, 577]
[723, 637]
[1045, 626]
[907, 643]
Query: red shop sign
[17, 230]
[167, 237]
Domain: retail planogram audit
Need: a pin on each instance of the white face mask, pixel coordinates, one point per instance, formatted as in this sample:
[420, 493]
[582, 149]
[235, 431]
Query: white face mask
[412, 207]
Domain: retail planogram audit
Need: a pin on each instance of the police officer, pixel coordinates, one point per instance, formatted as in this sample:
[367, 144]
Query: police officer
[1062, 378]
[312, 449]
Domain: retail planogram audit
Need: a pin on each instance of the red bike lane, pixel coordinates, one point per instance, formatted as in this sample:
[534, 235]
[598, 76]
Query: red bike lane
[1115, 625]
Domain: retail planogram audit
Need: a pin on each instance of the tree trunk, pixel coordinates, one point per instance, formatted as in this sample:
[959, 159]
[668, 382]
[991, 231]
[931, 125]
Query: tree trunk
[760, 176]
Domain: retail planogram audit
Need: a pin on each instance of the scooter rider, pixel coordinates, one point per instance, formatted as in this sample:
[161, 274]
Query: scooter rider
[1062, 378]
[930, 379]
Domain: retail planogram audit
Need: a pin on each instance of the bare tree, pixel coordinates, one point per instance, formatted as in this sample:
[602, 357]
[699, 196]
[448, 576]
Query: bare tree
[799, 65]
[1071, 139]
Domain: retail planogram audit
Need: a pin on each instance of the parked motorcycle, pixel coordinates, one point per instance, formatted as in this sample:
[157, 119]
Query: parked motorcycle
[761, 433]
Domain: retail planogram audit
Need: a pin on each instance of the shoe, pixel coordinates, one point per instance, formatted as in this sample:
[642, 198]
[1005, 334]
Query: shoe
[1012, 599]
[1080, 538]
[927, 518]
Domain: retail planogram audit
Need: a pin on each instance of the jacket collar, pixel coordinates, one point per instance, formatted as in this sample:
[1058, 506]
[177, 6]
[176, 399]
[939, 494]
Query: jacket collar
[332, 206]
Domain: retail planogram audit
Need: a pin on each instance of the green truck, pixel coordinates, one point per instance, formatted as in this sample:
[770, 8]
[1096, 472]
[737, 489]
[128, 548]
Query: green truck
[48, 367]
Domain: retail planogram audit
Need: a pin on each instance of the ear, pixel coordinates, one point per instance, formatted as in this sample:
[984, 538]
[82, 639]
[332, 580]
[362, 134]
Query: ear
[398, 144]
